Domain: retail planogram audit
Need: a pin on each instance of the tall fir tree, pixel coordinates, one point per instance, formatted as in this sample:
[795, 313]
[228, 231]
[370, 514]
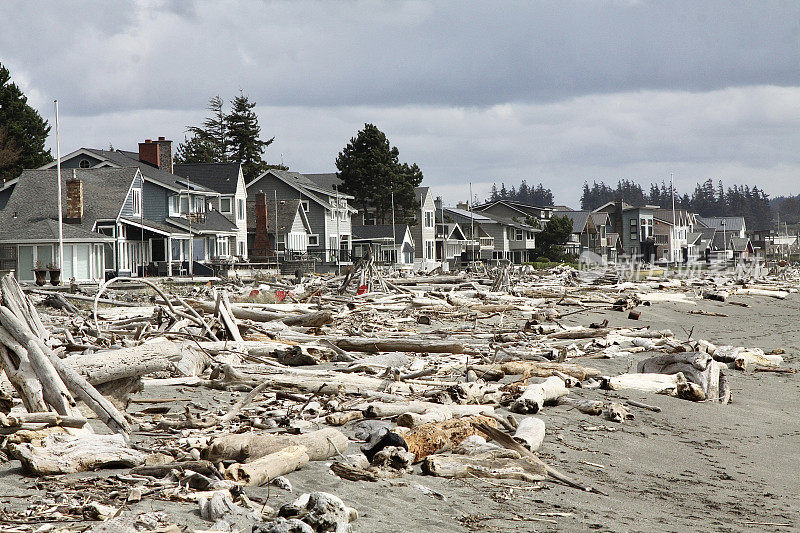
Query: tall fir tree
[209, 142]
[370, 170]
[244, 138]
[24, 131]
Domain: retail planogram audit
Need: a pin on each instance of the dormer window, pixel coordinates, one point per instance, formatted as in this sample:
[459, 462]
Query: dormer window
[85, 163]
[137, 202]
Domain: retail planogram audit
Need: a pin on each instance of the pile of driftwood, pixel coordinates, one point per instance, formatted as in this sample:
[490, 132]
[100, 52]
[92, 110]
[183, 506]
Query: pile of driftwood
[379, 375]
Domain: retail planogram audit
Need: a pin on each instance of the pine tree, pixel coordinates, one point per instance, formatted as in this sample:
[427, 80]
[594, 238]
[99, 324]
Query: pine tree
[243, 138]
[209, 142]
[370, 170]
[23, 131]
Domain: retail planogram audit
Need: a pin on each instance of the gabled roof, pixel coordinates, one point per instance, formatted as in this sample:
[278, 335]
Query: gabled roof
[123, 158]
[212, 222]
[303, 184]
[600, 219]
[741, 244]
[451, 232]
[380, 232]
[34, 200]
[730, 223]
[521, 208]
[329, 180]
[478, 217]
[220, 177]
[579, 219]
[287, 212]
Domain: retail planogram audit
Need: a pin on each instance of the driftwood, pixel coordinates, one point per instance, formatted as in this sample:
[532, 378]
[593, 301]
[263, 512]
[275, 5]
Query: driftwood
[205, 468]
[642, 382]
[537, 394]
[65, 454]
[696, 367]
[110, 365]
[20, 372]
[374, 345]
[433, 438]
[266, 468]
[310, 319]
[530, 433]
[392, 409]
[589, 407]
[539, 369]
[780, 295]
[243, 447]
[495, 465]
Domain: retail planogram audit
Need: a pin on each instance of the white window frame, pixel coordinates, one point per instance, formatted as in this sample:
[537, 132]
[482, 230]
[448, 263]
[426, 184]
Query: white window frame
[429, 219]
[306, 205]
[136, 202]
[240, 209]
[313, 239]
[229, 199]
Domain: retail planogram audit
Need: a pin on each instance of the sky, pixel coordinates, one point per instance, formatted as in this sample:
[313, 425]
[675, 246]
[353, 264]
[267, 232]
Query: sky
[557, 92]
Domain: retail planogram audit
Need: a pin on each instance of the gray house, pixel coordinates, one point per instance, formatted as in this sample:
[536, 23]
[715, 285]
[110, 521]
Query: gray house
[100, 228]
[179, 219]
[326, 209]
[389, 245]
[497, 237]
[424, 231]
[635, 228]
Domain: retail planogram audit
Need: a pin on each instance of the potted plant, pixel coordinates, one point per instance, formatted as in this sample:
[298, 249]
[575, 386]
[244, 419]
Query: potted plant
[40, 272]
[55, 274]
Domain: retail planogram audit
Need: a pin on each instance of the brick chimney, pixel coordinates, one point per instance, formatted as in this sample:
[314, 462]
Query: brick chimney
[157, 153]
[74, 201]
[261, 245]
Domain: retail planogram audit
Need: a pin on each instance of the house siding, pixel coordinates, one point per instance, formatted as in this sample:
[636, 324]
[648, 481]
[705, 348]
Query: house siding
[127, 207]
[419, 232]
[154, 199]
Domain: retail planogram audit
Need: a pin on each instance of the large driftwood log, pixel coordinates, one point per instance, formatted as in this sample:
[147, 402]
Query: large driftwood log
[321, 444]
[537, 394]
[780, 295]
[111, 365]
[530, 433]
[65, 454]
[266, 468]
[433, 438]
[20, 372]
[309, 319]
[358, 344]
[540, 369]
[643, 382]
[492, 465]
[392, 409]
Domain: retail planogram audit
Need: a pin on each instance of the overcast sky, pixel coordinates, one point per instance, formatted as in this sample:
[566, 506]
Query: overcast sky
[556, 92]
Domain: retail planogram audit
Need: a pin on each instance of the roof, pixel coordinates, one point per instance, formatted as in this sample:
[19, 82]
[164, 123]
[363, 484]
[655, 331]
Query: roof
[328, 180]
[287, 212]
[730, 223]
[520, 207]
[379, 232]
[304, 184]
[34, 201]
[478, 217]
[740, 244]
[220, 177]
[600, 219]
[693, 237]
[212, 222]
[579, 219]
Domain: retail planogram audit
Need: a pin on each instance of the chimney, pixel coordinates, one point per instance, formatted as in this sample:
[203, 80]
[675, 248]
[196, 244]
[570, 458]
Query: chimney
[74, 200]
[157, 154]
[463, 205]
[261, 241]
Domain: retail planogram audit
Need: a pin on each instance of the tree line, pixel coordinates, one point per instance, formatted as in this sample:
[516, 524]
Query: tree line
[538, 195]
[707, 200]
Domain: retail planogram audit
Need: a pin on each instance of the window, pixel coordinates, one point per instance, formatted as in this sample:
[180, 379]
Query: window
[174, 206]
[429, 219]
[429, 250]
[137, 202]
[241, 248]
[305, 205]
[225, 205]
[85, 163]
[222, 246]
[313, 240]
[199, 204]
[184, 207]
[518, 235]
[239, 209]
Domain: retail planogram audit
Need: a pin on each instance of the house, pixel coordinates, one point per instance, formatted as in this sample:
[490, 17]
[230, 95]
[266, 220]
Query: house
[101, 234]
[741, 248]
[326, 209]
[509, 239]
[516, 211]
[424, 230]
[390, 244]
[227, 180]
[725, 227]
[180, 220]
[290, 241]
[671, 233]
[451, 243]
[634, 226]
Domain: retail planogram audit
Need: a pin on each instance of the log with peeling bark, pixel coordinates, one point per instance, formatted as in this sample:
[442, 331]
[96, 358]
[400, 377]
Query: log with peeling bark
[539, 369]
[491, 465]
[65, 454]
[267, 468]
[243, 447]
[536, 395]
[432, 438]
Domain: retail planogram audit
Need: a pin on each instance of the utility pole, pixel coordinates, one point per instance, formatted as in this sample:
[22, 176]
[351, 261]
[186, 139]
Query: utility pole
[472, 222]
[60, 216]
[338, 235]
[394, 237]
[674, 227]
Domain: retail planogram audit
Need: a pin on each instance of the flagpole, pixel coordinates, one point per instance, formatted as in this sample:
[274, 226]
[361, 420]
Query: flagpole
[394, 237]
[674, 228]
[60, 216]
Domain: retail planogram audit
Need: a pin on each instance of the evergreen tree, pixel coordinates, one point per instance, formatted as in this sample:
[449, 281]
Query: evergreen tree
[370, 170]
[242, 135]
[493, 195]
[24, 131]
[503, 191]
[209, 142]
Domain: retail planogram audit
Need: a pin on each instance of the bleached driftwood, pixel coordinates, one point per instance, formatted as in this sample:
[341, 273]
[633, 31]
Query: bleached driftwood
[540, 369]
[392, 409]
[537, 394]
[65, 454]
[111, 365]
[495, 465]
[643, 382]
[243, 447]
[411, 420]
[269, 467]
[589, 407]
[530, 433]
[780, 295]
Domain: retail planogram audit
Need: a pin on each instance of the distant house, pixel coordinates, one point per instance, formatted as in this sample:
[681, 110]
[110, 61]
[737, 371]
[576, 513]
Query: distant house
[424, 230]
[389, 245]
[497, 237]
[227, 180]
[326, 209]
[516, 211]
[634, 227]
[672, 231]
[180, 219]
[102, 235]
[451, 243]
[293, 228]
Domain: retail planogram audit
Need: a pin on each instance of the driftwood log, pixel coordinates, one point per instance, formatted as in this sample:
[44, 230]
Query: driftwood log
[65, 454]
[433, 438]
[267, 468]
[537, 394]
[243, 447]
